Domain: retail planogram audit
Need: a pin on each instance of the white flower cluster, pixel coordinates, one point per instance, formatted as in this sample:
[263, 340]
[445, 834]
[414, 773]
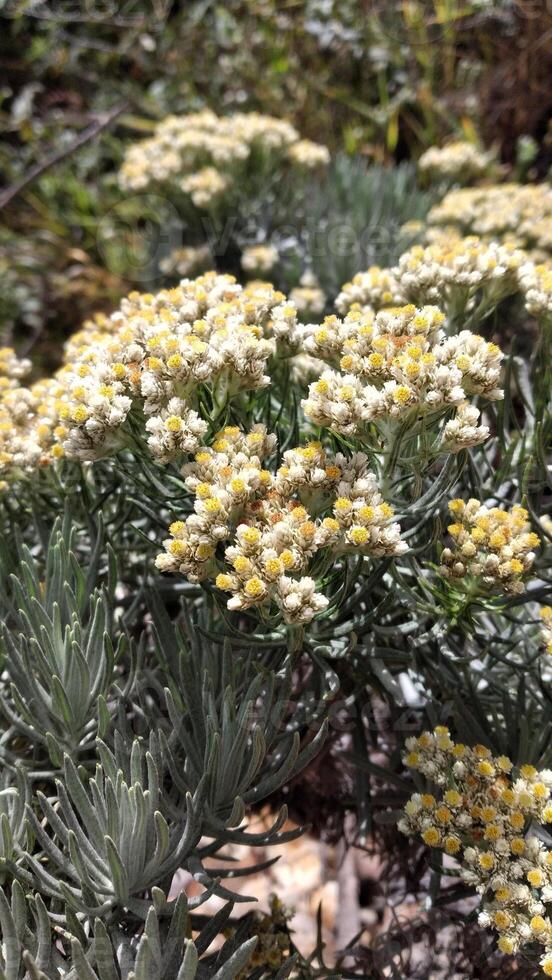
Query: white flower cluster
[373, 289]
[151, 358]
[309, 155]
[521, 213]
[305, 368]
[282, 531]
[308, 297]
[395, 362]
[463, 430]
[536, 283]
[30, 430]
[490, 544]
[206, 155]
[159, 349]
[12, 368]
[444, 235]
[546, 629]
[259, 258]
[481, 816]
[451, 273]
[205, 186]
[459, 161]
[187, 260]
[17, 451]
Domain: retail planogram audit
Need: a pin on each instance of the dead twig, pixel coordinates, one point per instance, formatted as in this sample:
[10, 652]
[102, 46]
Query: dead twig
[99, 124]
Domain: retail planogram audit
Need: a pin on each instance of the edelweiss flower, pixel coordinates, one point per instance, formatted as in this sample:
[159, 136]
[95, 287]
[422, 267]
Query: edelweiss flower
[278, 527]
[207, 155]
[462, 431]
[187, 260]
[493, 545]
[452, 273]
[519, 213]
[138, 375]
[536, 283]
[308, 297]
[456, 161]
[396, 362]
[371, 290]
[480, 816]
[259, 258]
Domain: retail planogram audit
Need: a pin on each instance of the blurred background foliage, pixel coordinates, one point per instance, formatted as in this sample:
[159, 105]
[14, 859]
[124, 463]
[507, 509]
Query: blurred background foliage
[380, 80]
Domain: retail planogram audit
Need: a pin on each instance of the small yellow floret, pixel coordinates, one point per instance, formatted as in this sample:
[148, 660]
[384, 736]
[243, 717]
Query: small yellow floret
[515, 566]
[453, 798]
[485, 768]
[204, 491]
[80, 414]
[237, 485]
[502, 920]
[502, 894]
[359, 535]
[204, 551]
[486, 861]
[177, 547]
[287, 559]
[431, 836]
[506, 945]
[273, 567]
[175, 361]
[454, 530]
[428, 800]
[241, 564]
[252, 535]
[538, 924]
[401, 395]
[254, 588]
[488, 813]
[176, 528]
[517, 820]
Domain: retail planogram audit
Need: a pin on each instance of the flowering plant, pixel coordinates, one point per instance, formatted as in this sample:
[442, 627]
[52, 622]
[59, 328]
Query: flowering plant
[228, 520]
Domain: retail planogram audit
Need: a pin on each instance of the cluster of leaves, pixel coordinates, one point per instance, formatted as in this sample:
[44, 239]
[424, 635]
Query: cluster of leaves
[127, 754]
